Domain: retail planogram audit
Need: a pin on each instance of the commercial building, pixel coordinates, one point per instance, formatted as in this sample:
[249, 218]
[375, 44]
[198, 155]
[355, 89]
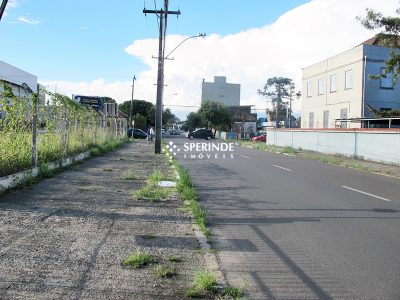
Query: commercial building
[22, 82]
[220, 91]
[339, 87]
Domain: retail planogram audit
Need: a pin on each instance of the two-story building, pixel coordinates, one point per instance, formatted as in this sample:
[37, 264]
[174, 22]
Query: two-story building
[339, 87]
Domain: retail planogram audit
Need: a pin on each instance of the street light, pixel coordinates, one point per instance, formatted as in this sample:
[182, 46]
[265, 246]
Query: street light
[160, 87]
[190, 37]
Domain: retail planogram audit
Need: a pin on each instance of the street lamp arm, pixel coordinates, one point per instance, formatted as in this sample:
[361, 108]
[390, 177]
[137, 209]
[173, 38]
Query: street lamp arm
[190, 37]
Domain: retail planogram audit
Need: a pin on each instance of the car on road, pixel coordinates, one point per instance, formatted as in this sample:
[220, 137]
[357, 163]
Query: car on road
[201, 134]
[136, 133]
[260, 138]
[174, 132]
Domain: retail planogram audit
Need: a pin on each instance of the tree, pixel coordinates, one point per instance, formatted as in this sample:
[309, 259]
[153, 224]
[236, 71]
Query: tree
[215, 115]
[140, 121]
[388, 37]
[141, 107]
[193, 120]
[279, 89]
[168, 118]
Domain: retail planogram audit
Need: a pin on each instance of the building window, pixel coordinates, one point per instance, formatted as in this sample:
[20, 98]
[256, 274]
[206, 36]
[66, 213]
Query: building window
[320, 86]
[309, 89]
[343, 115]
[348, 80]
[333, 83]
[311, 120]
[386, 83]
[326, 118]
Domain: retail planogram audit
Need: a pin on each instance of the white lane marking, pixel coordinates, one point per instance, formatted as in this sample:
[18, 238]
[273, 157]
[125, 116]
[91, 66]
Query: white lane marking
[365, 193]
[279, 167]
[244, 156]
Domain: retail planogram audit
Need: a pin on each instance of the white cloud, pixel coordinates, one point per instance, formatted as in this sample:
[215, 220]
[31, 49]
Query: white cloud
[300, 37]
[10, 4]
[26, 20]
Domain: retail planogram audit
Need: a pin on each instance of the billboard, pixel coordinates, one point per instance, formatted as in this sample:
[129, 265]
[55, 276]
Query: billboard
[93, 101]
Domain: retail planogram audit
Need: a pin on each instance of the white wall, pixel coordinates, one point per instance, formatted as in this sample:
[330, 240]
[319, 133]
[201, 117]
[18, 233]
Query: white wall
[380, 146]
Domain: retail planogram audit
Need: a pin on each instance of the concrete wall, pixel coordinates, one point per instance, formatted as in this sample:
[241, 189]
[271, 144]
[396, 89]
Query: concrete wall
[380, 146]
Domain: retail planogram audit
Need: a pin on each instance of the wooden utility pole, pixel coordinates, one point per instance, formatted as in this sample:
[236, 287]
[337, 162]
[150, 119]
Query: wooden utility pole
[130, 125]
[163, 16]
[3, 8]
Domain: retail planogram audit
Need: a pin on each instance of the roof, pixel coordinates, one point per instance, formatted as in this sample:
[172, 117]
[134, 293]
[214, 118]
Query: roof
[378, 39]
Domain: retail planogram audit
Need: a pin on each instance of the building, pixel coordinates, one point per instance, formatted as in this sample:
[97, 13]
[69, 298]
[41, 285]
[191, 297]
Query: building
[22, 82]
[244, 122]
[220, 91]
[339, 87]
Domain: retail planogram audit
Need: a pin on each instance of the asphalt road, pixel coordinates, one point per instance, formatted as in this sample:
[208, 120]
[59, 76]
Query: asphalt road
[299, 229]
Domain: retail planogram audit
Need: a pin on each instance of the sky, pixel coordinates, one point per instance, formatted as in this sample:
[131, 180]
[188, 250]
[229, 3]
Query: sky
[94, 48]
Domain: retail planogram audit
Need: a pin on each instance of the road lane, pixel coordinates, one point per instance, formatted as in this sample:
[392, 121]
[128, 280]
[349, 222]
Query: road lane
[295, 234]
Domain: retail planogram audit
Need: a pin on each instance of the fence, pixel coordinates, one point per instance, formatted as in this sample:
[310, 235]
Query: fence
[374, 145]
[33, 134]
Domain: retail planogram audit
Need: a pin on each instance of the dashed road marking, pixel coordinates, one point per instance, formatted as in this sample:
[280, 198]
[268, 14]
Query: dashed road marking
[365, 193]
[286, 169]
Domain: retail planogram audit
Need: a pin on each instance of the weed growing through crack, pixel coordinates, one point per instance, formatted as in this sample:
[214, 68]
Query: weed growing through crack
[174, 258]
[165, 271]
[129, 176]
[233, 292]
[45, 171]
[151, 193]
[107, 170]
[204, 282]
[138, 260]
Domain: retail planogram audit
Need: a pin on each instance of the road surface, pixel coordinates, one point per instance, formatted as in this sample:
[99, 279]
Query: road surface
[299, 229]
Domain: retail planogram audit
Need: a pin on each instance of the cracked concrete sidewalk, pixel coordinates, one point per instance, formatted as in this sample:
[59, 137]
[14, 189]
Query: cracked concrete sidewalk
[65, 237]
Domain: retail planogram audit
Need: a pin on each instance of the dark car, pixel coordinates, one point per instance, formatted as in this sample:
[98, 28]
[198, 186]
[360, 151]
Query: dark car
[136, 133]
[201, 134]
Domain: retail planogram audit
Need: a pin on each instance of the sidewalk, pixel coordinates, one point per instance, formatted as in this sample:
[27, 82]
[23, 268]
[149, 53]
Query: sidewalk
[65, 237]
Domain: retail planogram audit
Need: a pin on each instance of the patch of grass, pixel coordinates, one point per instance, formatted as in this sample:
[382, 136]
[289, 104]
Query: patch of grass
[288, 150]
[129, 176]
[233, 292]
[151, 193]
[173, 258]
[121, 158]
[165, 271]
[107, 170]
[156, 177]
[138, 260]
[45, 171]
[204, 282]
[94, 152]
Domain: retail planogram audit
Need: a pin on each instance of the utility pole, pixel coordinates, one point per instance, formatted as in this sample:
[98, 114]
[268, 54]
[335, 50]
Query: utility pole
[131, 112]
[163, 16]
[3, 8]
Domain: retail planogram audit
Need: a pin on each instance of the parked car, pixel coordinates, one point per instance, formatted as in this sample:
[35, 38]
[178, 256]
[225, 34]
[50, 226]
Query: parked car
[260, 138]
[174, 132]
[201, 134]
[136, 133]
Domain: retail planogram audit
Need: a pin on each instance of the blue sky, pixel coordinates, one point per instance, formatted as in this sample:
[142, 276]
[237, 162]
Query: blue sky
[83, 40]
[93, 47]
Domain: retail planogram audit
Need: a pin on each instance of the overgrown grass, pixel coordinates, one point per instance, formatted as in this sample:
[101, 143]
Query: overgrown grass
[189, 195]
[129, 176]
[233, 292]
[138, 259]
[151, 193]
[204, 283]
[165, 271]
[45, 171]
